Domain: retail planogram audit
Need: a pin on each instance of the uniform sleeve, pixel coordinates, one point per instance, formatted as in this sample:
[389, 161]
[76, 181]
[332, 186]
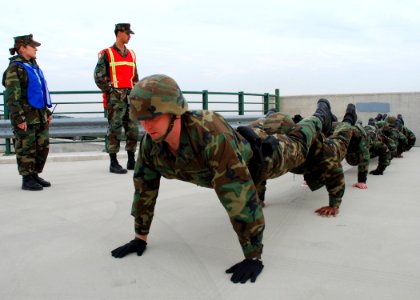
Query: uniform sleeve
[101, 73]
[363, 167]
[146, 189]
[236, 191]
[335, 184]
[14, 93]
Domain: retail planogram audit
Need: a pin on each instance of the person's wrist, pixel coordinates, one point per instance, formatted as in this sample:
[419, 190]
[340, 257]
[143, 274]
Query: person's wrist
[141, 237]
[255, 258]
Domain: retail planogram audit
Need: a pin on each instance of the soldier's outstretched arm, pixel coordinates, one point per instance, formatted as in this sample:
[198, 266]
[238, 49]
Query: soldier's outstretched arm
[335, 186]
[146, 185]
[236, 191]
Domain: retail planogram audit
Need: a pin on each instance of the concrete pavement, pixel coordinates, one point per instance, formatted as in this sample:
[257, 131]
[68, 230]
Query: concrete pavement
[56, 243]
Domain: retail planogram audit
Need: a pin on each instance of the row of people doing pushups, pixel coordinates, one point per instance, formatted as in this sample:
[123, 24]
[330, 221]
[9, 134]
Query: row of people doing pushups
[385, 137]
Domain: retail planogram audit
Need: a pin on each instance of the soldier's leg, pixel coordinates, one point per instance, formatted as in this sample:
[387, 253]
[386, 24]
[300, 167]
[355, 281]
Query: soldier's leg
[115, 126]
[43, 148]
[115, 110]
[384, 157]
[25, 146]
[340, 139]
[287, 152]
[294, 147]
[131, 130]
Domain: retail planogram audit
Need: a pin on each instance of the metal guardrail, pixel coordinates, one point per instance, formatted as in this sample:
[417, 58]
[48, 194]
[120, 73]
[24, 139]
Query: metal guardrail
[222, 102]
[96, 127]
[78, 128]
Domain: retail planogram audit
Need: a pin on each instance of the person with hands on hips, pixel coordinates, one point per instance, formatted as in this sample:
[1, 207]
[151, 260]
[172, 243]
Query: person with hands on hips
[198, 147]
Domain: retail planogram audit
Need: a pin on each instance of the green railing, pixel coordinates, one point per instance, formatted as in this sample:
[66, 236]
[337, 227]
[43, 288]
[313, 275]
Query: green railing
[71, 103]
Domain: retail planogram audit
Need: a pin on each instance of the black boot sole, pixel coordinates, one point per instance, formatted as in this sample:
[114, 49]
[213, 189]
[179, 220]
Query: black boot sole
[26, 188]
[120, 171]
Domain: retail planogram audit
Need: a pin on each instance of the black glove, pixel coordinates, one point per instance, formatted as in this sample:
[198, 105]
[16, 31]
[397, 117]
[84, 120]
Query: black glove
[377, 172]
[135, 245]
[246, 269]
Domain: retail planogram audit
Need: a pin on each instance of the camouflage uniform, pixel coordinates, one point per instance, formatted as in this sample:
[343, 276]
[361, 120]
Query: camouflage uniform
[290, 146]
[211, 154]
[389, 137]
[377, 148]
[323, 165]
[117, 106]
[411, 137]
[358, 152]
[32, 145]
[303, 150]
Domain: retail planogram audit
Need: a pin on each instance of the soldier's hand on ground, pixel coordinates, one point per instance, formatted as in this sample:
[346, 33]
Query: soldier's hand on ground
[244, 270]
[327, 211]
[135, 245]
[360, 185]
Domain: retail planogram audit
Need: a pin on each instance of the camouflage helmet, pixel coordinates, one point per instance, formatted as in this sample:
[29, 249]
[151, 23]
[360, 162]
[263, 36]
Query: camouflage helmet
[156, 95]
[391, 120]
[278, 123]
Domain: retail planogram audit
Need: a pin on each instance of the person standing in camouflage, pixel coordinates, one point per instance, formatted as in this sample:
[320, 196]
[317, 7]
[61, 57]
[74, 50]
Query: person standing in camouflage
[198, 147]
[115, 74]
[28, 100]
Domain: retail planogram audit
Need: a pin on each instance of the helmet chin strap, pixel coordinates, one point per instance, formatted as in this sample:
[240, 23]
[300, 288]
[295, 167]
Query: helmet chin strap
[168, 131]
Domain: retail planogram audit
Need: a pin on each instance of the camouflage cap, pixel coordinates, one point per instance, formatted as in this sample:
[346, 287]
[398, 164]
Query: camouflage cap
[23, 40]
[156, 95]
[123, 27]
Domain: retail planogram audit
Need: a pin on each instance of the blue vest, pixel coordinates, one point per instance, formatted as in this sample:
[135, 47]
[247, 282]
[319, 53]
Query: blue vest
[37, 95]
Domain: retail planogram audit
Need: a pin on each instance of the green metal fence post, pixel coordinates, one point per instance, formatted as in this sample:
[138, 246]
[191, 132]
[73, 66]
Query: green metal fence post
[277, 92]
[205, 99]
[241, 103]
[266, 98]
[6, 117]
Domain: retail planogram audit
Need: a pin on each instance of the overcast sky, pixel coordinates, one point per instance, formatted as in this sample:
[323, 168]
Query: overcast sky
[299, 46]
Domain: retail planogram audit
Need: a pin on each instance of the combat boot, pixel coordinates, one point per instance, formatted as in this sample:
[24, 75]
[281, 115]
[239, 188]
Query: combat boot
[115, 167]
[323, 112]
[350, 116]
[41, 181]
[379, 170]
[131, 161]
[30, 184]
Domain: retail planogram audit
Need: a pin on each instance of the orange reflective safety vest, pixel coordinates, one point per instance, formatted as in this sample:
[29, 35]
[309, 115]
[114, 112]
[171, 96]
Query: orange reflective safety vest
[121, 69]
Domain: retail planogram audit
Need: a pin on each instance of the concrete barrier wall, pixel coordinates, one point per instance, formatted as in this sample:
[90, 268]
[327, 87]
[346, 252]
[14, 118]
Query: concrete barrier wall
[368, 105]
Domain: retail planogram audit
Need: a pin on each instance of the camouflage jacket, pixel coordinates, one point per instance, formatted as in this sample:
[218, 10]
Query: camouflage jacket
[210, 155]
[101, 73]
[377, 148]
[15, 80]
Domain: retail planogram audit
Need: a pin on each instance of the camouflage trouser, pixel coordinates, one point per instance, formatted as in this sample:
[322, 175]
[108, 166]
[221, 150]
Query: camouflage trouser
[293, 148]
[324, 167]
[291, 151]
[380, 150]
[118, 118]
[32, 147]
